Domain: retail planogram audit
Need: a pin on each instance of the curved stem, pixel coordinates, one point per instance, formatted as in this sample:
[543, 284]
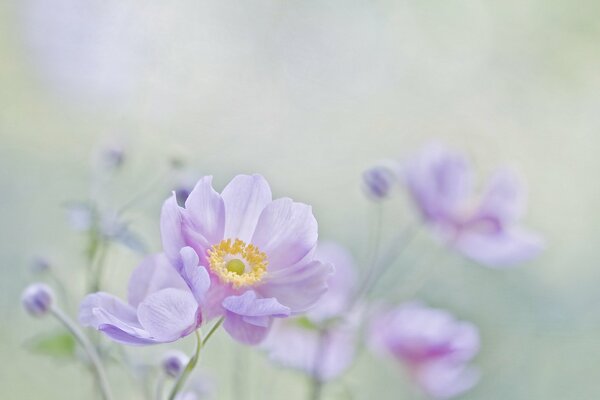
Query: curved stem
[97, 367]
[193, 360]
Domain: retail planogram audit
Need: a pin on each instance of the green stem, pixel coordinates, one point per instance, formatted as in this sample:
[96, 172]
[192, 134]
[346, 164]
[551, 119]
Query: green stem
[193, 360]
[97, 367]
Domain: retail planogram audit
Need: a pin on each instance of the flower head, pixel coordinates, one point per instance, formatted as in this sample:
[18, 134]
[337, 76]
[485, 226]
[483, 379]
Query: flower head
[484, 228]
[378, 181]
[259, 253]
[321, 343]
[434, 346]
[161, 306]
[37, 299]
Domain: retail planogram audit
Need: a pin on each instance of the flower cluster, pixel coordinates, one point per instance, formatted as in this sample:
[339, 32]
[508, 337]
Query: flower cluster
[254, 265]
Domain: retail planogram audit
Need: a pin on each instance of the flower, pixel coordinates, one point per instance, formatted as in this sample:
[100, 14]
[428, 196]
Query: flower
[484, 229]
[37, 299]
[174, 362]
[162, 306]
[322, 343]
[434, 346]
[258, 252]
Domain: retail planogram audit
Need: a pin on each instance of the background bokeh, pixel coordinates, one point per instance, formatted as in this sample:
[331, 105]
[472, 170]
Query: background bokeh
[309, 94]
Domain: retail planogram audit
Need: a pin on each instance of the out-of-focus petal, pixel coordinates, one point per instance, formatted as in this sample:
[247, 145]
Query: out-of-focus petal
[299, 288]
[504, 198]
[245, 198]
[439, 181]
[500, 249]
[444, 380]
[286, 232]
[206, 210]
[153, 274]
[169, 314]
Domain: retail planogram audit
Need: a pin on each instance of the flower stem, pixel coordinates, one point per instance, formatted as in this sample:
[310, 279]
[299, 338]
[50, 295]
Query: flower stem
[193, 360]
[89, 349]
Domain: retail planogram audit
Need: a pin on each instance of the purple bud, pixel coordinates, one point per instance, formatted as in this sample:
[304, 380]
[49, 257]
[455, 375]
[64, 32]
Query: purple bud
[174, 362]
[37, 299]
[378, 181]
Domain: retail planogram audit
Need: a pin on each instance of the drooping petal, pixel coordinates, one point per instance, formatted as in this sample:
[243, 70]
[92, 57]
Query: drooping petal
[243, 331]
[502, 249]
[153, 274]
[299, 288]
[206, 210]
[120, 336]
[195, 275]
[245, 198]
[169, 314]
[102, 308]
[286, 232]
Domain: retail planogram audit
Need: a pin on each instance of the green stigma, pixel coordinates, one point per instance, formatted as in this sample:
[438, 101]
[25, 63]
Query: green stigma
[236, 266]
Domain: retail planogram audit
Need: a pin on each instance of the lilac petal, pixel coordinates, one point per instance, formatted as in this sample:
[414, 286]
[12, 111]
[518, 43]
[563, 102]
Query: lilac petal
[341, 284]
[439, 182]
[153, 274]
[245, 198]
[195, 275]
[171, 221]
[123, 337]
[169, 314]
[325, 357]
[503, 249]
[443, 380]
[248, 304]
[242, 331]
[504, 198]
[206, 210]
[299, 287]
[102, 308]
[286, 232]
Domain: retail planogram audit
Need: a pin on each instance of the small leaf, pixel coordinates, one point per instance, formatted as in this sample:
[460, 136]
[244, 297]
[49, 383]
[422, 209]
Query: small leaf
[55, 345]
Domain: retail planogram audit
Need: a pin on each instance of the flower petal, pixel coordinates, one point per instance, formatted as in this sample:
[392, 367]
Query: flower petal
[286, 232]
[245, 198]
[299, 287]
[248, 304]
[102, 308]
[153, 274]
[502, 249]
[443, 380]
[171, 221]
[123, 337]
[206, 210]
[242, 331]
[169, 314]
[504, 198]
[195, 275]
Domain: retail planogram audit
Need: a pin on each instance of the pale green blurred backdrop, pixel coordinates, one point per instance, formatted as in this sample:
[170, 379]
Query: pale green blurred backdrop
[310, 93]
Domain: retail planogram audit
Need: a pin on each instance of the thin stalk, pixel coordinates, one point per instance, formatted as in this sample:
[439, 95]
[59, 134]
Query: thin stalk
[89, 349]
[193, 360]
[317, 384]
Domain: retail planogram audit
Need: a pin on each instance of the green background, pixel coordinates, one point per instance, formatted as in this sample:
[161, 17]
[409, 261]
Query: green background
[309, 94]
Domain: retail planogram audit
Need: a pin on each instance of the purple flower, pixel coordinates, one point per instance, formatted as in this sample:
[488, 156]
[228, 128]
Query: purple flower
[161, 306]
[37, 299]
[259, 253]
[485, 228]
[322, 343]
[434, 346]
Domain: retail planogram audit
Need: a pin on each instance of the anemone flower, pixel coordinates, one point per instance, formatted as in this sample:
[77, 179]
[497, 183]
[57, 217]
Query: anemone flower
[161, 306]
[432, 344]
[259, 253]
[322, 343]
[483, 228]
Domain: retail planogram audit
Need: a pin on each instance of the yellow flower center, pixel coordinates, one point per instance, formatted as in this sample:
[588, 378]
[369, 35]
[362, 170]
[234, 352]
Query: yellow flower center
[238, 263]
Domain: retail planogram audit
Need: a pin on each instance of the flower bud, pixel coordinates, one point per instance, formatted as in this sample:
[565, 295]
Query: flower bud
[378, 181]
[37, 299]
[174, 362]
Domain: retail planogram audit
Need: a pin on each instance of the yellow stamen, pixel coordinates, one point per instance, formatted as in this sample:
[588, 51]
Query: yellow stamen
[237, 263]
